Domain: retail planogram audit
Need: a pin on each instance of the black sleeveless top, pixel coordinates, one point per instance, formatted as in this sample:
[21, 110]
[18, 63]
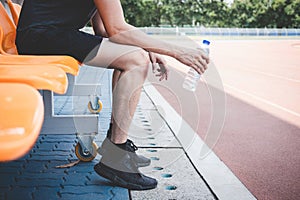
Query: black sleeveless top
[65, 14]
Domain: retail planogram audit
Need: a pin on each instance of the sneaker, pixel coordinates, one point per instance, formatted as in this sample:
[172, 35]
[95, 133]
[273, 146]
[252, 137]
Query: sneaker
[119, 168]
[141, 161]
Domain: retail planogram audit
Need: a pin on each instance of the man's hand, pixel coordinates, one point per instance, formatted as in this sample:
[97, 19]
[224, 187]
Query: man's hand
[159, 66]
[194, 58]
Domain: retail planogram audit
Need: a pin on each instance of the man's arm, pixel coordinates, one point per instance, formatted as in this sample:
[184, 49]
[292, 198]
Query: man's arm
[119, 31]
[98, 25]
[161, 68]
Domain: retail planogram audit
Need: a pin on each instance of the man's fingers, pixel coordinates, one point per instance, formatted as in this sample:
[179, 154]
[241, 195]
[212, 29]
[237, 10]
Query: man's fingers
[206, 58]
[201, 64]
[162, 75]
[159, 64]
[198, 68]
[153, 61]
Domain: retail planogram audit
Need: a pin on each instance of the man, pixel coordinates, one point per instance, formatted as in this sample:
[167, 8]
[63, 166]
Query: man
[52, 27]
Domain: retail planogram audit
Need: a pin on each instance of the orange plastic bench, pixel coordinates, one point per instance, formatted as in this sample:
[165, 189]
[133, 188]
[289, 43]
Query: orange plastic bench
[8, 48]
[66, 63]
[45, 77]
[88, 124]
[21, 118]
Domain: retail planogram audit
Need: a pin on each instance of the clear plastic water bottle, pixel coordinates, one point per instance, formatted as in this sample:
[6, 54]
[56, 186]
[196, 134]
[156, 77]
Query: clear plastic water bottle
[192, 78]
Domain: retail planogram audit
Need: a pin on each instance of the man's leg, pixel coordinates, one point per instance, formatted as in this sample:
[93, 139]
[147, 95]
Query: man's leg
[132, 67]
[140, 160]
[132, 64]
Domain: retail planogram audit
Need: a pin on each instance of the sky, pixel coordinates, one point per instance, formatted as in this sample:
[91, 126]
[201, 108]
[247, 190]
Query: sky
[229, 1]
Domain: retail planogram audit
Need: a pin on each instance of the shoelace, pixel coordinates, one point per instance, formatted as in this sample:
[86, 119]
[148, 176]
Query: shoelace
[132, 146]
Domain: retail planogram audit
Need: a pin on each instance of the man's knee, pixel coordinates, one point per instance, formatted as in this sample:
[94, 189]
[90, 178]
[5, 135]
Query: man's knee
[138, 60]
[142, 58]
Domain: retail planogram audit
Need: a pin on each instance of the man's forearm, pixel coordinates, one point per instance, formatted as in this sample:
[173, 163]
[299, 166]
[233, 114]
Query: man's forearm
[192, 57]
[98, 26]
[135, 37]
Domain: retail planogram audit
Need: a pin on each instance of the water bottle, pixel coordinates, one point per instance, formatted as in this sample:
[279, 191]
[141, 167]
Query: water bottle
[192, 78]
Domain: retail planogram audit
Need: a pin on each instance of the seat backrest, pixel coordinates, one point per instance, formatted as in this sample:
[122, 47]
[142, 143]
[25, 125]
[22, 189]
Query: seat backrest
[15, 10]
[9, 33]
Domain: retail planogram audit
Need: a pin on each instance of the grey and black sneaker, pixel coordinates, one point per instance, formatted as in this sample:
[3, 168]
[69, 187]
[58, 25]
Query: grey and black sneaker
[141, 161]
[118, 166]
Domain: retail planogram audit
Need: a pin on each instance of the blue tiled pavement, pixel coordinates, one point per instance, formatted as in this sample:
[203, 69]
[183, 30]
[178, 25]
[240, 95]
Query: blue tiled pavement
[35, 176]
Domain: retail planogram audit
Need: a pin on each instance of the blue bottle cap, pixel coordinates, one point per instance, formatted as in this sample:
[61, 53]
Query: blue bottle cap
[206, 42]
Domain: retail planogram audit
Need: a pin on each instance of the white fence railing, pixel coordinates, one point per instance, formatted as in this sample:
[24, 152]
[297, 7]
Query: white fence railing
[222, 31]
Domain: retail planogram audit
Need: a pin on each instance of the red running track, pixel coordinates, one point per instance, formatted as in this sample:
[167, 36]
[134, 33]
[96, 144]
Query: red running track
[260, 141]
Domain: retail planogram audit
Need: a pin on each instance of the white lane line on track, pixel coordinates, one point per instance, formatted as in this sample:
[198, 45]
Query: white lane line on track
[272, 75]
[263, 100]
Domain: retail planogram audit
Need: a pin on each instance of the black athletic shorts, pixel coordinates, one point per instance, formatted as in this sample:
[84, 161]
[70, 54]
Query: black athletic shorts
[53, 41]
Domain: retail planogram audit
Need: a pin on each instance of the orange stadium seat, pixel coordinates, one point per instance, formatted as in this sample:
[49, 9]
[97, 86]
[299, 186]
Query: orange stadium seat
[63, 62]
[46, 77]
[21, 119]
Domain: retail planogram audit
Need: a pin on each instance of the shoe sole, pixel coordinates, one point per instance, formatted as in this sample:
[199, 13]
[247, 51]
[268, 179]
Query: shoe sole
[143, 164]
[138, 164]
[119, 181]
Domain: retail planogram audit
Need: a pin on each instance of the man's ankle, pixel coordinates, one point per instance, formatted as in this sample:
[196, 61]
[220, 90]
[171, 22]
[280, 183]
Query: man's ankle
[121, 145]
